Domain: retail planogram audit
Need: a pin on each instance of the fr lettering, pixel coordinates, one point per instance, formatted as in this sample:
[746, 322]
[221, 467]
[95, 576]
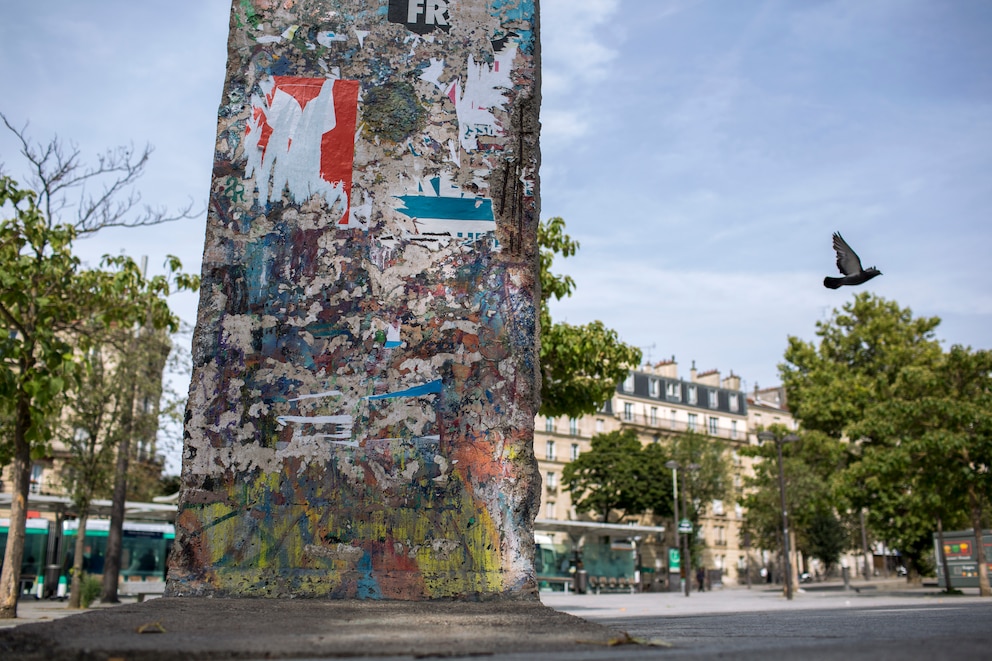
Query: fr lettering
[433, 11]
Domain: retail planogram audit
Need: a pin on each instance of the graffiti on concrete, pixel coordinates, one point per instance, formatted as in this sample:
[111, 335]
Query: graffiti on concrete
[360, 418]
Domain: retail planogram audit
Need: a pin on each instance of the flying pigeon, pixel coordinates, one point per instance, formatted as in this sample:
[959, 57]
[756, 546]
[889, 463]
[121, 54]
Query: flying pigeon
[850, 265]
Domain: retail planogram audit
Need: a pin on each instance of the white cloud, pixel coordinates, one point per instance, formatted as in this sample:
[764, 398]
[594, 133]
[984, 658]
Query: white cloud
[572, 49]
[562, 126]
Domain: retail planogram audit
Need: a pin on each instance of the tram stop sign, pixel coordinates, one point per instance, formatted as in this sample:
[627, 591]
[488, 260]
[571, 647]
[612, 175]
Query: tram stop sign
[685, 526]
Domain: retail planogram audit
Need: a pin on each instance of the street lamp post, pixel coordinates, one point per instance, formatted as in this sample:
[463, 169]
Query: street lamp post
[779, 440]
[674, 465]
[683, 544]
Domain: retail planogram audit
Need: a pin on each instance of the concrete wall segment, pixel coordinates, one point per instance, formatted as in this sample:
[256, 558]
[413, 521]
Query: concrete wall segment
[360, 420]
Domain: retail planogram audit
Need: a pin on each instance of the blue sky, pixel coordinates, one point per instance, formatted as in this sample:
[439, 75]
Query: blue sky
[702, 152]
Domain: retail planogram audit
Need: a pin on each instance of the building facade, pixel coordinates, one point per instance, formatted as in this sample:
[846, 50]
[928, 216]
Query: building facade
[659, 405]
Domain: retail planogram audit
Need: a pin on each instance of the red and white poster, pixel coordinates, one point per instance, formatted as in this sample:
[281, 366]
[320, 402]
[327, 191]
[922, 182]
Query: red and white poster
[300, 141]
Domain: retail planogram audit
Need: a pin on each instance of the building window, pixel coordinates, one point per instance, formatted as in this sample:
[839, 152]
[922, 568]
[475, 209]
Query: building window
[653, 388]
[654, 415]
[573, 454]
[673, 418]
[714, 399]
[573, 426]
[628, 383]
[628, 411]
[552, 482]
[37, 474]
[549, 451]
[734, 403]
[600, 425]
[692, 395]
[673, 392]
[714, 426]
[692, 422]
[549, 424]
[718, 509]
[733, 427]
[549, 510]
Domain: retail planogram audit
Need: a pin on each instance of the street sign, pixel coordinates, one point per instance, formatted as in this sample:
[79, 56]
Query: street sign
[685, 526]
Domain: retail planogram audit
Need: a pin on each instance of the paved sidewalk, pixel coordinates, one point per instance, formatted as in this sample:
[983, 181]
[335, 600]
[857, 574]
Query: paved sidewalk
[30, 610]
[170, 629]
[880, 593]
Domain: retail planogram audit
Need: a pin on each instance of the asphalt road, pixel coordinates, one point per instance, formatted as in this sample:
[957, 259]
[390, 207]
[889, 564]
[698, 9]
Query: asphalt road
[876, 624]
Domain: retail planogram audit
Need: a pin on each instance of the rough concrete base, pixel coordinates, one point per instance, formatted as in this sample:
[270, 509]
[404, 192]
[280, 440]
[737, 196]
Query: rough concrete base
[205, 628]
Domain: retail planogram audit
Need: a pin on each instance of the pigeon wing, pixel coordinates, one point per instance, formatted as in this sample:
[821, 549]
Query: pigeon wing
[847, 260]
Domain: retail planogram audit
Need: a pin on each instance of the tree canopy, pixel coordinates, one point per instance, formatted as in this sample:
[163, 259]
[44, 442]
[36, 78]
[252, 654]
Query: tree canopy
[933, 438]
[618, 474]
[810, 467]
[49, 308]
[916, 419]
[580, 365]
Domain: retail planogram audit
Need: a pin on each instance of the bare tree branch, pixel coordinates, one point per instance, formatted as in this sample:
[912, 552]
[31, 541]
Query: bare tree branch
[64, 183]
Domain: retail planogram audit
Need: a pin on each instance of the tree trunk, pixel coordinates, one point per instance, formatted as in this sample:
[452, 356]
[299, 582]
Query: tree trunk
[10, 578]
[115, 547]
[943, 555]
[976, 524]
[864, 546]
[112, 564]
[76, 589]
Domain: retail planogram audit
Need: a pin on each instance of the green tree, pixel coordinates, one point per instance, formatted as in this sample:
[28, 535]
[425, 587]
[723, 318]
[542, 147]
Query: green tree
[810, 468]
[862, 350]
[880, 378]
[580, 365]
[825, 536]
[48, 307]
[144, 356]
[619, 475]
[709, 481]
[62, 206]
[40, 295]
[937, 428]
[91, 426]
[86, 471]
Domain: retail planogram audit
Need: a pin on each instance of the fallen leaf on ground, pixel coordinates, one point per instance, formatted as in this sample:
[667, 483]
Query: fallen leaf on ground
[151, 627]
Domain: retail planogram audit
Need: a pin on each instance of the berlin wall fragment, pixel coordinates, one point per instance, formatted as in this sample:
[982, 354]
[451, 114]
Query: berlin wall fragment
[360, 419]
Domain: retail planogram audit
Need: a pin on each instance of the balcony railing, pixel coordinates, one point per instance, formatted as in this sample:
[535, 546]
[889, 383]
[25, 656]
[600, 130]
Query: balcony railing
[663, 424]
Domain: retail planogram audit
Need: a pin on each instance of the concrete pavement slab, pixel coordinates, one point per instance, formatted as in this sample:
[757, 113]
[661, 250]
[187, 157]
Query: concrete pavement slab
[185, 628]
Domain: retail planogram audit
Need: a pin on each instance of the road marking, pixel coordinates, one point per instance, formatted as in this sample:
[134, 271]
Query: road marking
[911, 608]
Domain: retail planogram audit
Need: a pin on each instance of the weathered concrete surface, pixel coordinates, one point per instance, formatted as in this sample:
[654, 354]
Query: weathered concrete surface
[205, 628]
[360, 419]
